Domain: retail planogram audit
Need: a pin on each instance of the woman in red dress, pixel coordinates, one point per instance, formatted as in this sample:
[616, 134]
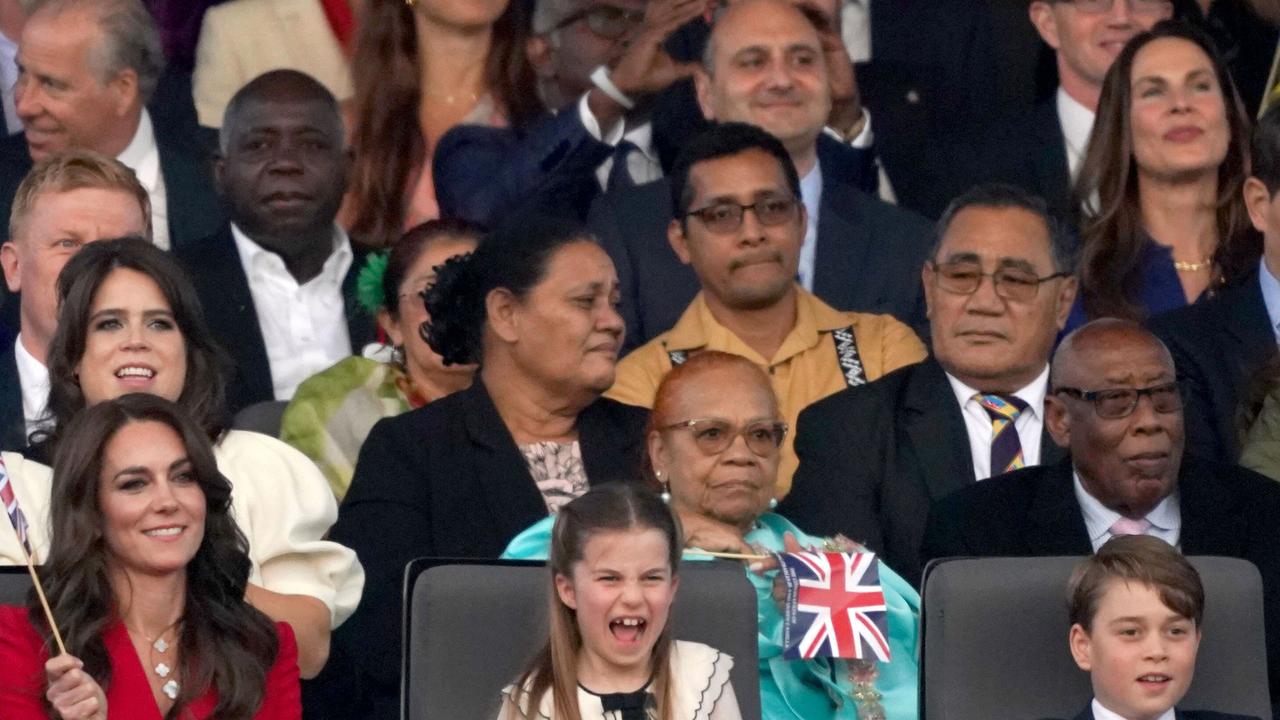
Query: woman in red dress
[146, 579]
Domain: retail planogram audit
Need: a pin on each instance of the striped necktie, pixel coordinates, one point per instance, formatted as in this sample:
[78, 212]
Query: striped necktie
[1006, 448]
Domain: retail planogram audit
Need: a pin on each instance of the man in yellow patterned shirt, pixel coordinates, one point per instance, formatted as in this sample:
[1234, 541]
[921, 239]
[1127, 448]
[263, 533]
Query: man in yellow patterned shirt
[740, 224]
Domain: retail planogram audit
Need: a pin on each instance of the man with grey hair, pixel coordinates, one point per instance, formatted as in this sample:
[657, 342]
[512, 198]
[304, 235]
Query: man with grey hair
[86, 69]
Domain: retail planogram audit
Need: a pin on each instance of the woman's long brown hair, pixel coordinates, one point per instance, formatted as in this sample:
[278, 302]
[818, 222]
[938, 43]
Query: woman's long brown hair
[1113, 237]
[386, 138]
[224, 642]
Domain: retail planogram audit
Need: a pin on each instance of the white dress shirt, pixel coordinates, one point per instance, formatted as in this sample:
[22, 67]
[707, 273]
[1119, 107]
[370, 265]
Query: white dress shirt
[1270, 295]
[642, 163]
[143, 158]
[811, 196]
[1165, 518]
[8, 79]
[855, 29]
[1101, 713]
[304, 326]
[1029, 424]
[1077, 123]
[34, 378]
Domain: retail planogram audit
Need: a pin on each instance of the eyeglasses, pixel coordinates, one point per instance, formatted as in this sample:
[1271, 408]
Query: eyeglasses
[1138, 7]
[608, 21]
[1120, 402]
[964, 278]
[725, 217]
[714, 436]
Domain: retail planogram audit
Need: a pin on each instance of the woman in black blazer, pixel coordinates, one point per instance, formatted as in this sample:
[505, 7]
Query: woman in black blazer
[534, 306]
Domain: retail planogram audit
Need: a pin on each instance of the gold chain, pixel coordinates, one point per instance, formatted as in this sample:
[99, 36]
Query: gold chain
[1196, 266]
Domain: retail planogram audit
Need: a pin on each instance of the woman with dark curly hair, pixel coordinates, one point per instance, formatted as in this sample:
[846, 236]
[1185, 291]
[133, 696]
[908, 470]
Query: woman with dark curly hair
[130, 321]
[534, 307]
[146, 580]
[1163, 219]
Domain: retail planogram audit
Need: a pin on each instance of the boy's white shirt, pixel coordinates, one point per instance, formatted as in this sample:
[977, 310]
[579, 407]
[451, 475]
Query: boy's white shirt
[1101, 713]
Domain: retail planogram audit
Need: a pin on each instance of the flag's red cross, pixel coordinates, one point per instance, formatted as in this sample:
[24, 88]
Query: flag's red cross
[841, 602]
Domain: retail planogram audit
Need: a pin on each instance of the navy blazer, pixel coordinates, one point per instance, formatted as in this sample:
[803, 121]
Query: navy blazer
[1087, 714]
[446, 480]
[1218, 345]
[13, 427]
[874, 457]
[1226, 510]
[868, 255]
[1026, 150]
[223, 288]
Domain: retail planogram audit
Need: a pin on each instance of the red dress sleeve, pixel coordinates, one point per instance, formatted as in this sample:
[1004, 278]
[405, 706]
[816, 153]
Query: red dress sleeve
[22, 657]
[283, 697]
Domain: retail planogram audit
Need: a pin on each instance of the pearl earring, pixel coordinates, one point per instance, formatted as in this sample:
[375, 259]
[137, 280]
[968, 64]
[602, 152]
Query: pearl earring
[773, 503]
[666, 491]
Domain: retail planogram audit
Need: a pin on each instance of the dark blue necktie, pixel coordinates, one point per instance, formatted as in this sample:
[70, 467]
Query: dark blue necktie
[620, 174]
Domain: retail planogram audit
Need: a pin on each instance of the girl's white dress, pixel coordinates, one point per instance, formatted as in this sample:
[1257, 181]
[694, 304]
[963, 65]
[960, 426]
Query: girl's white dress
[701, 682]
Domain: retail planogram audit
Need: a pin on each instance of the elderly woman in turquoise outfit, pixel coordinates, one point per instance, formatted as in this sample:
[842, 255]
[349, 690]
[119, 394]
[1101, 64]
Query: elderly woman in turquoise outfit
[713, 444]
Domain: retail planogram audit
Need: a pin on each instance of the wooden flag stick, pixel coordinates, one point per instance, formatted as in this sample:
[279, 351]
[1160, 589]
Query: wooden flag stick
[44, 602]
[726, 555]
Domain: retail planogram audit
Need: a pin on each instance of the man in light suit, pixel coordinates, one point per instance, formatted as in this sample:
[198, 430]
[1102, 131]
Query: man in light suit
[1115, 404]
[873, 458]
[766, 65]
[243, 39]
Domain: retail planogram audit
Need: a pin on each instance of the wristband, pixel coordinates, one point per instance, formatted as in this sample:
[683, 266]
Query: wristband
[600, 78]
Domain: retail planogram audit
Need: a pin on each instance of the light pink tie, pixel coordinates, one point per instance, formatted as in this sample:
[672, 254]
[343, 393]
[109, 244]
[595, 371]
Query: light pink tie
[1126, 526]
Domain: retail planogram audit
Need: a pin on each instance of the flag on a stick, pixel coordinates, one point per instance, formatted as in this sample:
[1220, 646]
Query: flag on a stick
[835, 606]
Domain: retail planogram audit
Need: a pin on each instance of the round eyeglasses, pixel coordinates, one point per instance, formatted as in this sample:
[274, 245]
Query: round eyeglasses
[714, 436]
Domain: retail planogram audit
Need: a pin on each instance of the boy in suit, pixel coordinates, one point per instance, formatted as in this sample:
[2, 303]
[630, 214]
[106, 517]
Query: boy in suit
[1135, 608]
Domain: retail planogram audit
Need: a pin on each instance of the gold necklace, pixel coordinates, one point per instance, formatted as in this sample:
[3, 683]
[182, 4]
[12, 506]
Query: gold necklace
[1196, 266]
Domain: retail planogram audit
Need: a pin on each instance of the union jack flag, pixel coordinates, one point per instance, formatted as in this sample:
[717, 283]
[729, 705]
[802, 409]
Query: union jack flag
[834, 606]
[10, 502]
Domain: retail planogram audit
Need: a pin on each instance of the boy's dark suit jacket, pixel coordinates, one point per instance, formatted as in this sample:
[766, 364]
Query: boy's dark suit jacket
[1087, 714]
[220, 281]
[448, 480]
[873, 458]
[1218, 346]
[868, 255]
[1226, 510]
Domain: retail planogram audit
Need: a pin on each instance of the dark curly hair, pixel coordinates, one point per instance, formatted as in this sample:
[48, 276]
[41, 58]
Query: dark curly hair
[514, 257]
[411, 245]
[225, 643]
[203, 389]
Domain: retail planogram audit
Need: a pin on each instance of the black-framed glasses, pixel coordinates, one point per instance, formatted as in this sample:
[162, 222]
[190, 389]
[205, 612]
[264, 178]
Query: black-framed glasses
[607, 21]
[1137, 7]
[964, 278]
[1115, 403]
[726, 217]
[714, 436]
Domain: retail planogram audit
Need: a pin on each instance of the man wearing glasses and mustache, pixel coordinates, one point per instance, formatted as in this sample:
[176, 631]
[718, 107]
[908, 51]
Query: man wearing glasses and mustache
[740, 223]
[1115, 403]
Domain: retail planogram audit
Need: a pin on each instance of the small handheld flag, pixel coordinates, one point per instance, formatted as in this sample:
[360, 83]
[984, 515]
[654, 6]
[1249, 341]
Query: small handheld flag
[20, 527]
[834, 606]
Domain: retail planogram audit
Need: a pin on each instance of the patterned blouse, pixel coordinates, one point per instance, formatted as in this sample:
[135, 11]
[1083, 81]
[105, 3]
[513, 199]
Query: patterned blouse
[557, 470]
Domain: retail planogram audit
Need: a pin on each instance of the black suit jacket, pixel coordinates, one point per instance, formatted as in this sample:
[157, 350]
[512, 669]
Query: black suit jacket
[13, 429]
[1087, 714]
[1226, 510]
[448, 480]
[1218, 345]
[223, 288]
[1026, 150]
[875, 457]
[868, 255]
[932, 78]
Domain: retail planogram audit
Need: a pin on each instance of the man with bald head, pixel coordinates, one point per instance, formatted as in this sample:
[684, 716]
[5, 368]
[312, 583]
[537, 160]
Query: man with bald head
[86, 69]
[277, 279]
[1115, 403]
[770, 64]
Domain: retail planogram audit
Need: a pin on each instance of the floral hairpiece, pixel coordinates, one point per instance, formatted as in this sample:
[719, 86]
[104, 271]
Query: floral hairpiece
[369, 291]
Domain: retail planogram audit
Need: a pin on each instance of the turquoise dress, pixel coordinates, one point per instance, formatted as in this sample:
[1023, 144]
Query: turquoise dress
[804, 689]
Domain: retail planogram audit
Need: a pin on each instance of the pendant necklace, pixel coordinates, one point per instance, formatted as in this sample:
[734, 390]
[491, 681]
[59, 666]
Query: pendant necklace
[162, 669]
